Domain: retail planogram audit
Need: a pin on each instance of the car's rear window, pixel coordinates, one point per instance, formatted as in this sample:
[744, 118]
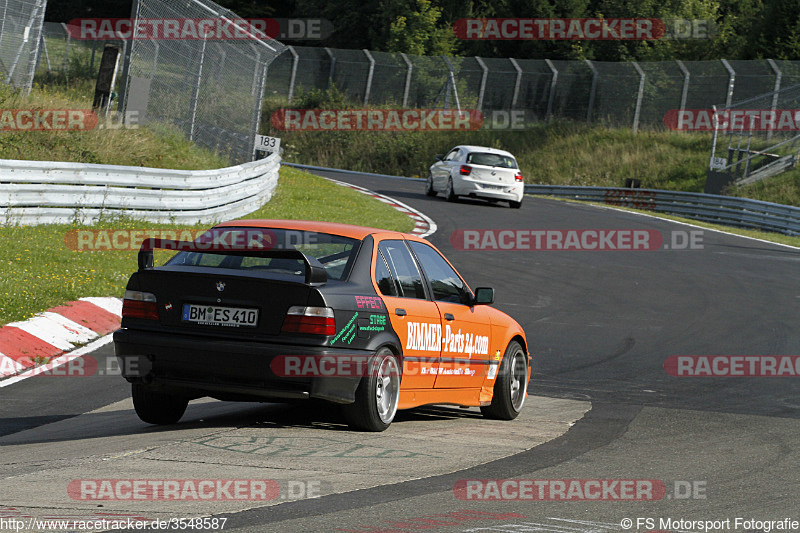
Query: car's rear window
[491, 160]
[333, 251]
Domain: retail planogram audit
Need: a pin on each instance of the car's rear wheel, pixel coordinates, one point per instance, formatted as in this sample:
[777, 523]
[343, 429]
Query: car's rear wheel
[509, 388]
[377, 395]
[429, 187]
[450, 193]
[157, 407]
[515, 205]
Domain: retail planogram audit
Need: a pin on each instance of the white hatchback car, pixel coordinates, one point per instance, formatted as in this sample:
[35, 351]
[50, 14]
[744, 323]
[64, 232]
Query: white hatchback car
[477, 172]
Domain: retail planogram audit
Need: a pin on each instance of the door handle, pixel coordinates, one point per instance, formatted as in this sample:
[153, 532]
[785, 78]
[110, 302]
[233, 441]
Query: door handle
[448, 316]
[400, 312]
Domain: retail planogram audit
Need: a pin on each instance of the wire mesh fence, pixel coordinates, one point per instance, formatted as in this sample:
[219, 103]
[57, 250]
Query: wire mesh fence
[209, 87]
[20, 36]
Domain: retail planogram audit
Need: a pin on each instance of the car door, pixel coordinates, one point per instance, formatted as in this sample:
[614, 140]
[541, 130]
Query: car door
[442, 169]
[466, 329]
[414, 317]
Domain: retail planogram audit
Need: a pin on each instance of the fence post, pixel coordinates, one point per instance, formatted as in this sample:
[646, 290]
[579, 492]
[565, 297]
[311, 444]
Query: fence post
[485, 75]
[685, 91]
[47, 55]
[516, 83]
[731, 81]
[452, 79]
[370, 74]
[408, 79]
[639, 97]
[66, 47]
[552, 95]
[592, 92]
[295, 60]
[778, 76]
[333, 66]
[260, 82]
[196, 91]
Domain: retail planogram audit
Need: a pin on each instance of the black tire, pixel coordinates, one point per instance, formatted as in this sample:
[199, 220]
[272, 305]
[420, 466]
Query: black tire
[429, 186]
[374, 409]
[509, 388]
[449, 193]
[157, 407]
[515, 205]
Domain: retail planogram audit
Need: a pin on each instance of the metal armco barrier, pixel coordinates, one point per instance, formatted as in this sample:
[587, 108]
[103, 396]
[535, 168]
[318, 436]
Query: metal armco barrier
[38, 192]
[727, 210]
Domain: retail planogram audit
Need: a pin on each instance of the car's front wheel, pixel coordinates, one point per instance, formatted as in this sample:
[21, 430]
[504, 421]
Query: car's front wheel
[429, 186]
[450, 193]
[157, 407]
[377, 395]
[509, 388]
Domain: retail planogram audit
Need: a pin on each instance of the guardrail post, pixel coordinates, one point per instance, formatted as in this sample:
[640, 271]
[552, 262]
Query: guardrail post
[552, 95]
[778, 76]
[731, 81]
[639, 97]
[485, 75]
[370, 74]
[592, 92]
[333, 66]
[517, 83]
[408, 79]
[686, 77]
[293, 75]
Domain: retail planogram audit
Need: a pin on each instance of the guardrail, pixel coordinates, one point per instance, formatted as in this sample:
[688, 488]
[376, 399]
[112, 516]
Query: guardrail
[38, 192]
[727, 210]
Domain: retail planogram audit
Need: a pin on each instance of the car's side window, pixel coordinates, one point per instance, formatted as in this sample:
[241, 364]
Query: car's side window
[446, 284]
[386, 283]
[402, 266]
[452, 156]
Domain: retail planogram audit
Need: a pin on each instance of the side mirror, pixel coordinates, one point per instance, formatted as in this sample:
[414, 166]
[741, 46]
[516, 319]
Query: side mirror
[439, 157]
[484, 296]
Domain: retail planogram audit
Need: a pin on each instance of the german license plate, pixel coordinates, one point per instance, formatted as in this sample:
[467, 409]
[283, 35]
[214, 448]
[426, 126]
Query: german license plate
[212, 315]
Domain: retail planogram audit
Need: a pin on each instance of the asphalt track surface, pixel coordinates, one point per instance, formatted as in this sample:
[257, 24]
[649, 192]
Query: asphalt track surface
[601, 325]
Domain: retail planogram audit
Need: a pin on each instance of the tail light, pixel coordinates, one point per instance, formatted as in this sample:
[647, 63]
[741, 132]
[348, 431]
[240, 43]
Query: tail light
[465, 170]
[312, 320]
[139, 304]
[518, 176]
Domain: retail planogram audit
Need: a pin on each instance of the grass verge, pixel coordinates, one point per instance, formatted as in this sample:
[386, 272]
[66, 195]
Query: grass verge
[40, 271]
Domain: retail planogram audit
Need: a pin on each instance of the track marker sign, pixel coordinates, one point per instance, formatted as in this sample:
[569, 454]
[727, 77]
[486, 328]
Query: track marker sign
[267, 144]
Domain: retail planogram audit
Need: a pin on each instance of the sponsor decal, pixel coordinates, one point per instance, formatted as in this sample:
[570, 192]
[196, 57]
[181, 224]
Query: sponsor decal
[369, 302]
[348, 332]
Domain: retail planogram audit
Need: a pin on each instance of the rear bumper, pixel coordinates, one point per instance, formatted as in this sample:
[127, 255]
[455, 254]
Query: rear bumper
[482, 189]
[225, 369]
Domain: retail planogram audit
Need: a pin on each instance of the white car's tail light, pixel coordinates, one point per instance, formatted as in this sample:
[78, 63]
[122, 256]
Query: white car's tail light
[518, 177]
[465, 170]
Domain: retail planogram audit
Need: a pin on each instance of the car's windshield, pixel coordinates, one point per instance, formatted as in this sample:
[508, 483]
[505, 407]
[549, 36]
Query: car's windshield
[491, 160]
[333, 251]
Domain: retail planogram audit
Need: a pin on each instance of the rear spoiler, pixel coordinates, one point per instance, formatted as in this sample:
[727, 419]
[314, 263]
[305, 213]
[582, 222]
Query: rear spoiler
[315, 273]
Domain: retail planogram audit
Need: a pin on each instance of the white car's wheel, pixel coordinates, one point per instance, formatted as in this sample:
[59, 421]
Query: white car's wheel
[429, 186]
[449, 192]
